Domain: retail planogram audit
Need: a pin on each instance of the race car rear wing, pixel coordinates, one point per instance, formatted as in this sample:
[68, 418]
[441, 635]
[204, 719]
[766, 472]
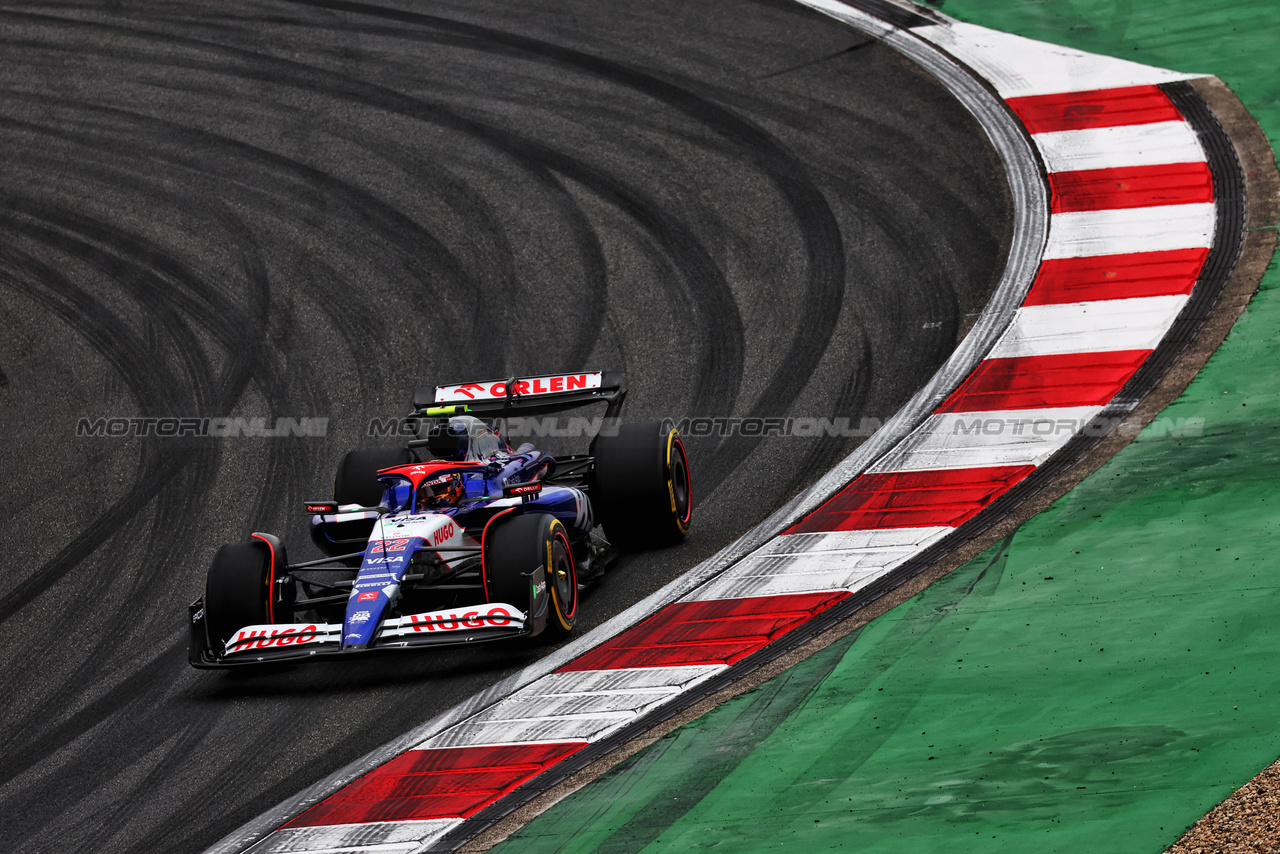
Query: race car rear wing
[525, 395]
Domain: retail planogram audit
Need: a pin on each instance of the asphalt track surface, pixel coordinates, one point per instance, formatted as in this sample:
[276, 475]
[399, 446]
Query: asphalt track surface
[306, 210]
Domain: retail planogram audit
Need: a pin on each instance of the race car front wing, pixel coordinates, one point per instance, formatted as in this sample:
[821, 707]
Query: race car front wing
[301, 641]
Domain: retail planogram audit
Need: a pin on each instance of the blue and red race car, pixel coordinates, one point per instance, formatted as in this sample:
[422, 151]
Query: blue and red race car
[455, 538]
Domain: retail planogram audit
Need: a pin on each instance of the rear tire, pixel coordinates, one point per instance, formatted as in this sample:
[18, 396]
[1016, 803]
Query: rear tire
[641, 489]
[238, 590]
[514, 549]
[356, 481]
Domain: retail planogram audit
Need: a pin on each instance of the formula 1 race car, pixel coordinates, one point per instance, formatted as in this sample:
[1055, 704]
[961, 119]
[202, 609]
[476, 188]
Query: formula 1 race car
[455, 538]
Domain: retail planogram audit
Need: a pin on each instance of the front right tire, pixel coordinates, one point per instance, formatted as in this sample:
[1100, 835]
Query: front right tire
[356, 481]
[238, 589]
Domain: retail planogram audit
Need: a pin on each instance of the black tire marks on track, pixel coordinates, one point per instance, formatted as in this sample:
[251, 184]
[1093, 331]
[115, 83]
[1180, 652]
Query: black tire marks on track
[305, 209]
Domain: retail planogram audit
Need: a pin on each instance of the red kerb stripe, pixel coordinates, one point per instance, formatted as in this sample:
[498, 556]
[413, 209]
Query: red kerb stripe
[911, 499]
[1131, 187]
[1098, 108]
[1041, 382]
[720, 631]
[1141, 274]
[452, 782]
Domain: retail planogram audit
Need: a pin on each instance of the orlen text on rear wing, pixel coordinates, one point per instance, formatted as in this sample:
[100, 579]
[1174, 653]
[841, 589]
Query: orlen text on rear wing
[528, 395]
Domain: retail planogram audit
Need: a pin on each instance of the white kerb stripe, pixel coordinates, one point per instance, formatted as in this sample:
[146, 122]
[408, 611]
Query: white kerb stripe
[1111, 148]
[962, 440]
[572, 706]
[842, 560]
[771, 578]
[1079, 234]
[1089, 327]
[621, 680]
[1019, 66]
[566, 728]
[383, 837]
[882, 539]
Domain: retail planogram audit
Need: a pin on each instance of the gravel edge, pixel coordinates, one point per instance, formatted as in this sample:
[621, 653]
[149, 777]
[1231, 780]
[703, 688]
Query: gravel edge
[1248, 822]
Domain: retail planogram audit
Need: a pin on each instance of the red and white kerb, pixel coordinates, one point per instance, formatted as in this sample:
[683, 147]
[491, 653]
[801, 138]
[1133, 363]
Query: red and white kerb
[1131, 223]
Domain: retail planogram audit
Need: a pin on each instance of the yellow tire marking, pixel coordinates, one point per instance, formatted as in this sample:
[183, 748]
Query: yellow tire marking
[551, 573]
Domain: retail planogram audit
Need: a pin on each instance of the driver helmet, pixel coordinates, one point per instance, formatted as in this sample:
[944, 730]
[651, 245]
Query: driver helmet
[436, 493]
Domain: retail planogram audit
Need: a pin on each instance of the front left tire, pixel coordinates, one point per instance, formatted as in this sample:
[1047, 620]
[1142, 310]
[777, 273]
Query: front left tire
[514, 549]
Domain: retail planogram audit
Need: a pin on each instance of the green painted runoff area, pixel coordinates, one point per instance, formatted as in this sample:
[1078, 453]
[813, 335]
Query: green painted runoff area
[1094, 683]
